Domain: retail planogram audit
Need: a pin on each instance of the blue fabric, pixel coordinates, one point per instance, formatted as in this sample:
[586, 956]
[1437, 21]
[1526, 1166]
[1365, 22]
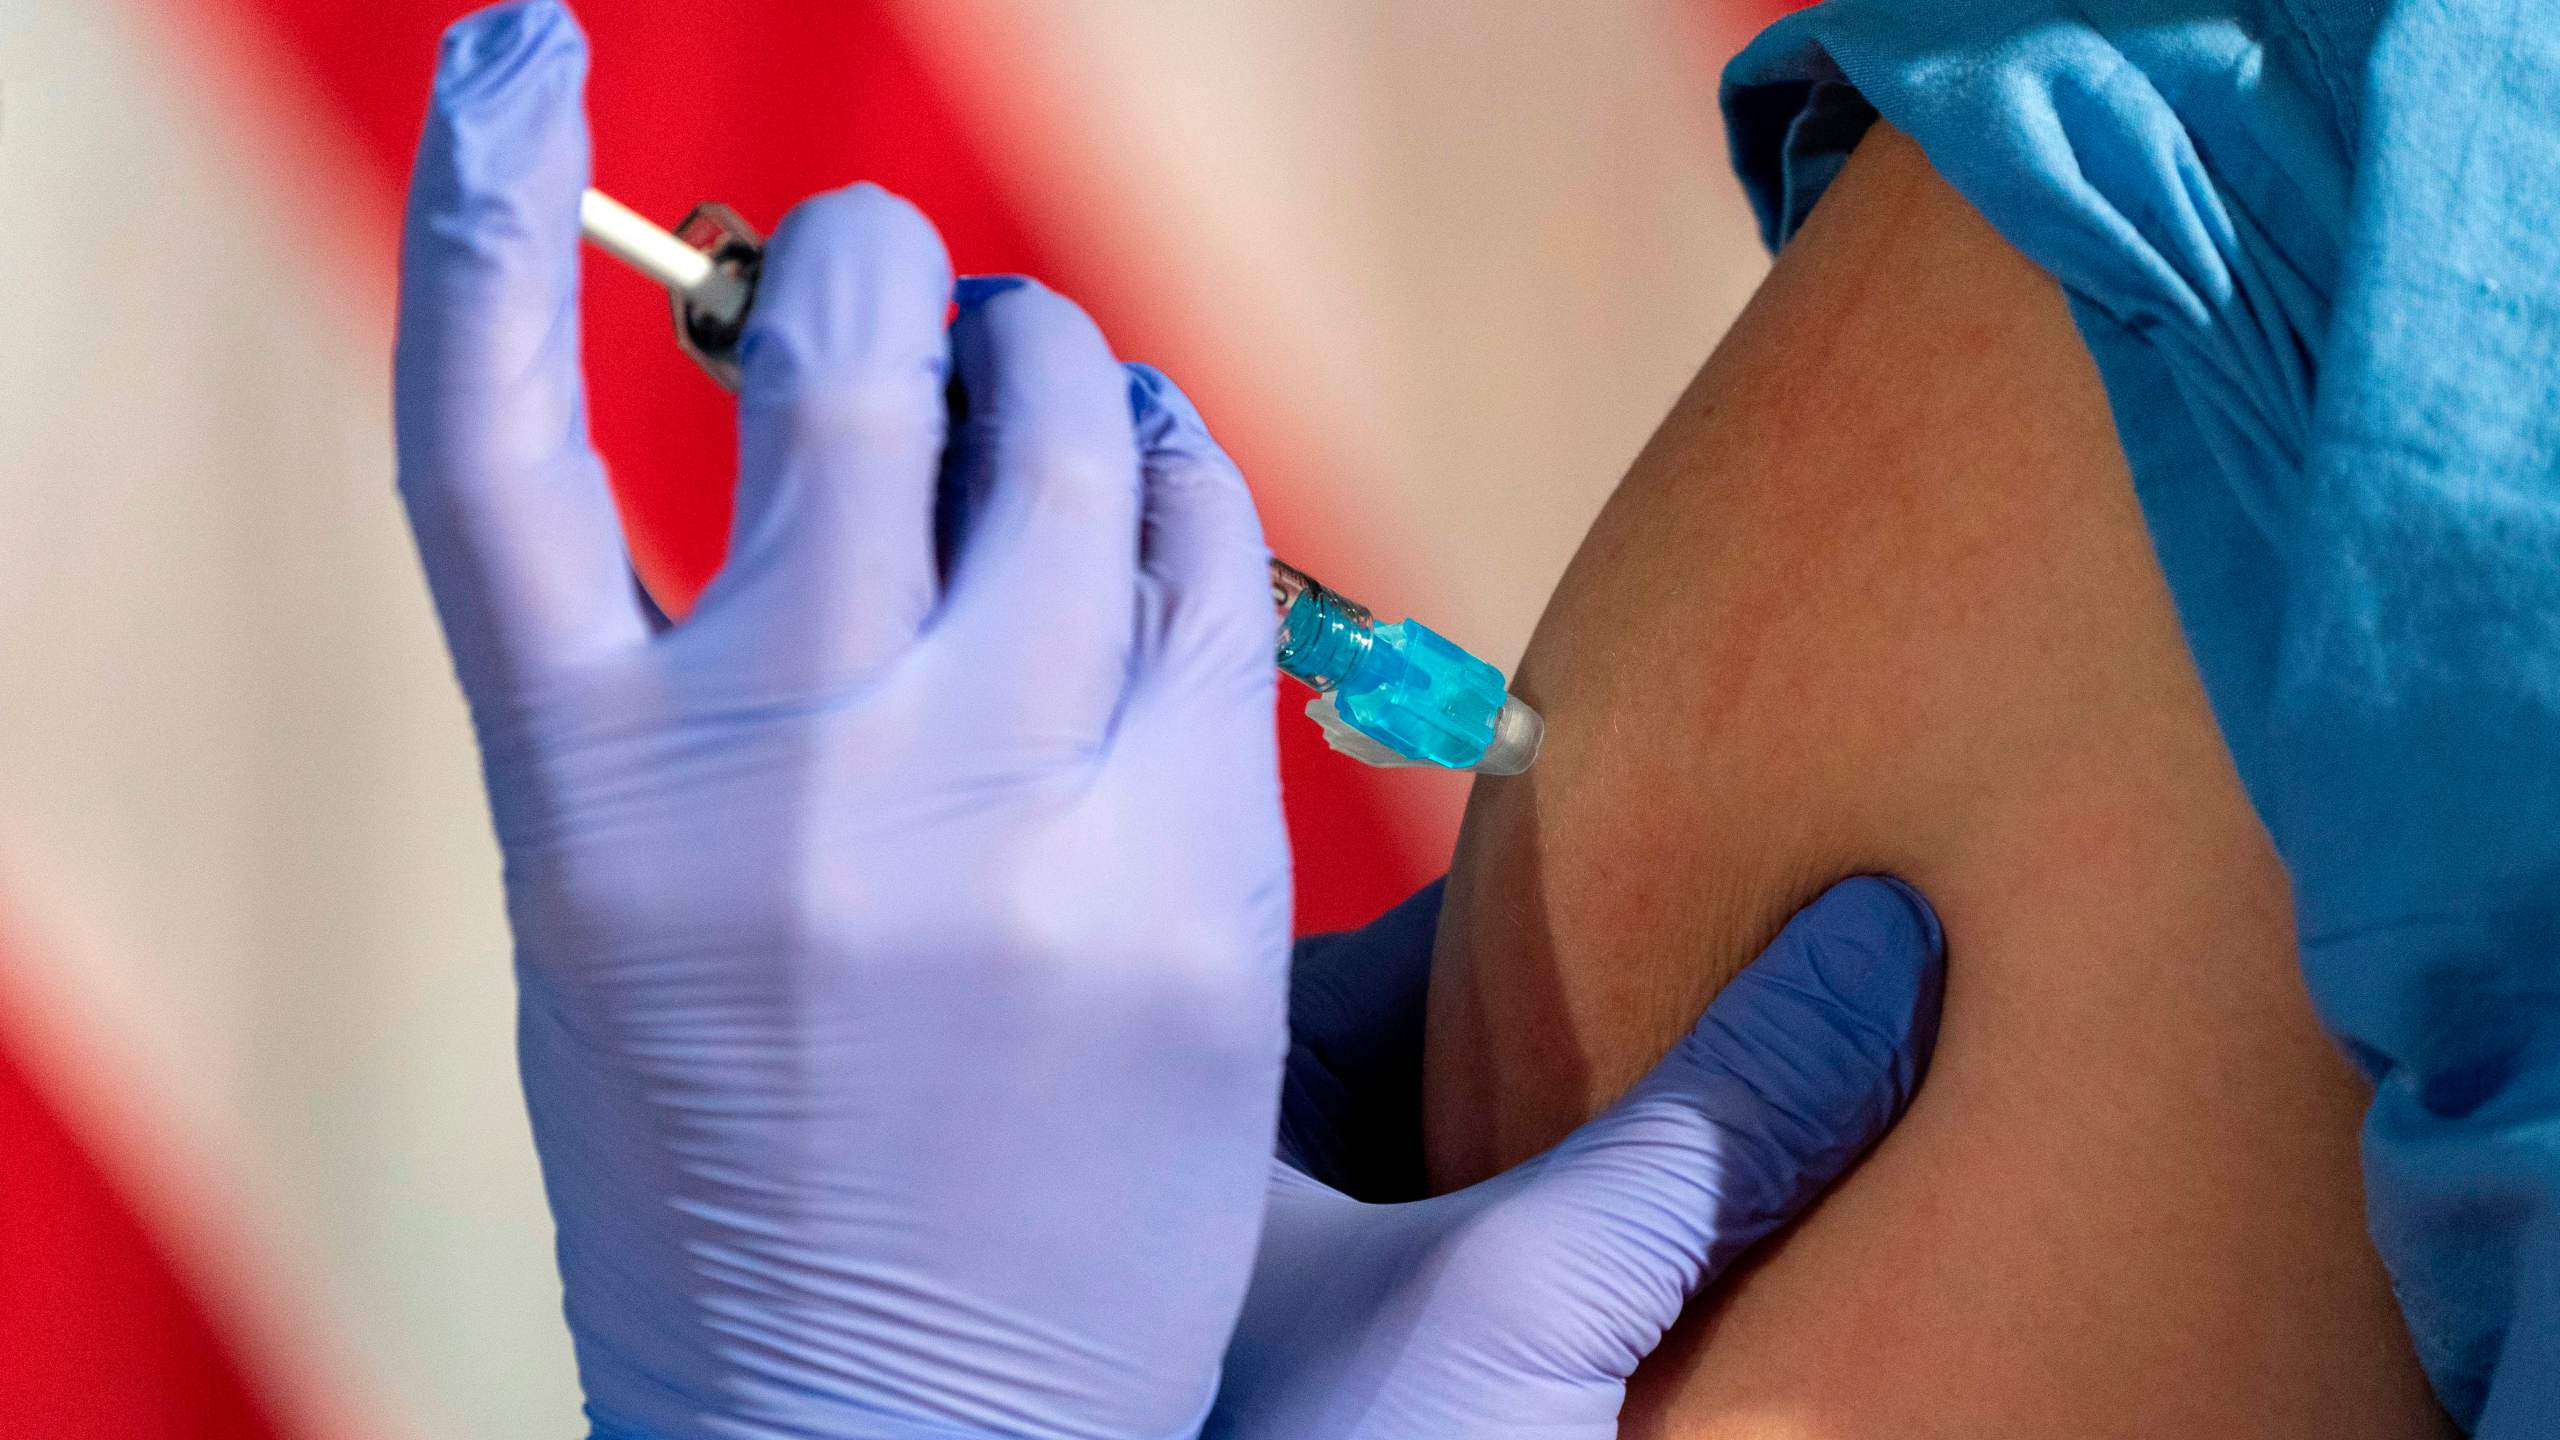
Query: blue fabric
[2315, 250]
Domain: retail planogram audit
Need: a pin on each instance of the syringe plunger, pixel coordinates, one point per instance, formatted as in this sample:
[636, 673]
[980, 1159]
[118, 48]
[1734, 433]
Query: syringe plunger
[629, 237]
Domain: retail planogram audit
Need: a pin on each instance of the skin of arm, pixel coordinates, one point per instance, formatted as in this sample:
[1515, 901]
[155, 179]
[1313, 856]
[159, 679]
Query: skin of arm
[1878, 597]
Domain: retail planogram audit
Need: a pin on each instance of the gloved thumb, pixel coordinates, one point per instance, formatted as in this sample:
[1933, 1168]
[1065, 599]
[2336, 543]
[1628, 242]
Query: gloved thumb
[1803, 1062]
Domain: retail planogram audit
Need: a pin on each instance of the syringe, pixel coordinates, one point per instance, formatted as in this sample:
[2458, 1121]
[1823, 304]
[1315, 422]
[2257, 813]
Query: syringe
[1395, 694]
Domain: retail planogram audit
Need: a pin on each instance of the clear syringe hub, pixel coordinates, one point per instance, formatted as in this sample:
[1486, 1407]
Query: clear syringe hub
[1399, 694]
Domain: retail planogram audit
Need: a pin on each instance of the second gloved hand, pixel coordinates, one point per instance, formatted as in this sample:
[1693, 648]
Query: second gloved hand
[1519, 1307]
[901, 947]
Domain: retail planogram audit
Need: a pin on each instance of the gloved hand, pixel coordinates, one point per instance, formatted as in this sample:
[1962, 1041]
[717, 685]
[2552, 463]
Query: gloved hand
[902, 954]
[1519, 1306]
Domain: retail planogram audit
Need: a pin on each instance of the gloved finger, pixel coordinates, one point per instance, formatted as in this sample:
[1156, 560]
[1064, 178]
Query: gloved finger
[1803, 1062]
[505, 495]
[840, 430]
[1351, 1105]
[1206, 624]
[1043, 591]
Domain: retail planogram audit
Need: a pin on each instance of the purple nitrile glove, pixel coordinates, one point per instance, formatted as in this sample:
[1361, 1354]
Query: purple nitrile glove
[901, 950]
[1520, 1306]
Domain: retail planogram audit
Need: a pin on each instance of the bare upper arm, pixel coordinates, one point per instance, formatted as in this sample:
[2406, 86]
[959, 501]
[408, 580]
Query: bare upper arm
[1878, 597]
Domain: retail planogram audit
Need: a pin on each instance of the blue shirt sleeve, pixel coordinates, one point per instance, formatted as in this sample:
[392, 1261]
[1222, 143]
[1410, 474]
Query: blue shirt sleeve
[2315, 251]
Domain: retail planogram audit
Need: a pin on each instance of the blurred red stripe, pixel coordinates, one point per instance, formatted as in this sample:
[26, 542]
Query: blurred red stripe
[99, 1337]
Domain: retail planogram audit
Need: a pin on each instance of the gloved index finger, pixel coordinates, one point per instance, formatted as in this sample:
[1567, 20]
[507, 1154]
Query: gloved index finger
[841, 424]
[508, 500]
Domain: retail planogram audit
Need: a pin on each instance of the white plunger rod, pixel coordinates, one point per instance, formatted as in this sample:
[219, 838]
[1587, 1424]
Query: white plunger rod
[627, 235]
